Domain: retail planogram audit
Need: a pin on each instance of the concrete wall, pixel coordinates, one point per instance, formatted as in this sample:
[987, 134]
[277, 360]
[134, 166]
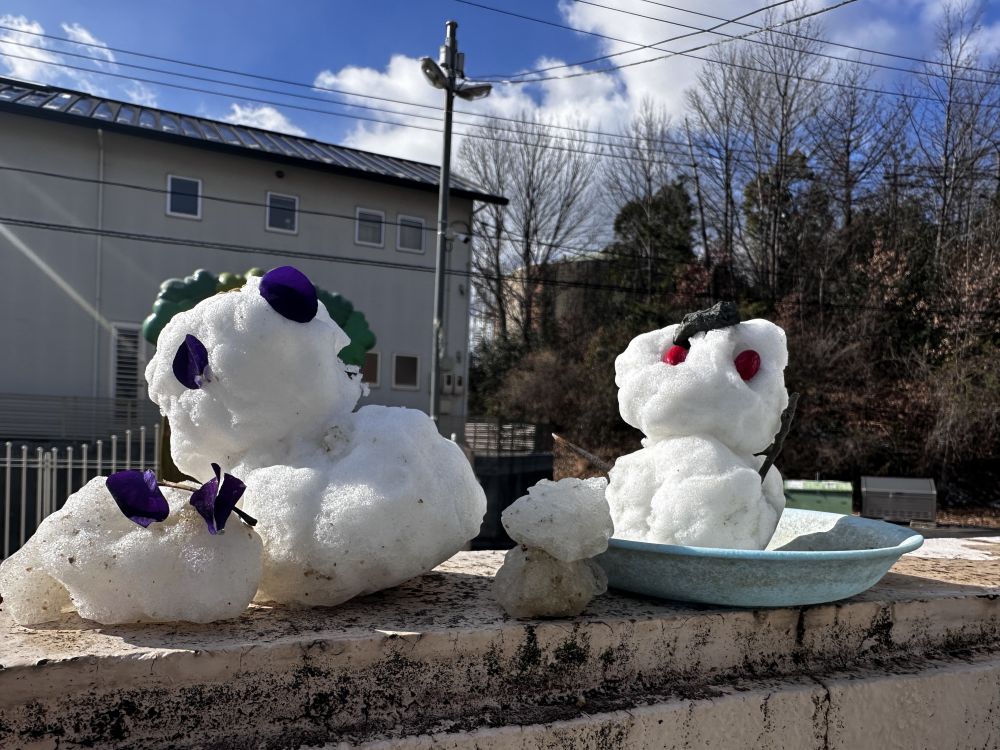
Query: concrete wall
[62, 347]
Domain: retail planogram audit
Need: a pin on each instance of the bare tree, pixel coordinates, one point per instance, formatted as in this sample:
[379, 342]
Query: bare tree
[549, 181]
[716, 134]
[640, 164]
[778, 96]
[956, 132]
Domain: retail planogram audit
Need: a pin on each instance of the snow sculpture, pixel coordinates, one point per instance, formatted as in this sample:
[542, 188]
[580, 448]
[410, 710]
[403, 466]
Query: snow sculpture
[348, 502]
[709, 395]
[559, 526]
[162, 566]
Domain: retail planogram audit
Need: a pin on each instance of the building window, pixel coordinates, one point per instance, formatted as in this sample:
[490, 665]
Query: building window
[282, 213]
[128, 361]
[183, 197]
[369, 370]
[410, 234]
[405, 372]
[370, 227]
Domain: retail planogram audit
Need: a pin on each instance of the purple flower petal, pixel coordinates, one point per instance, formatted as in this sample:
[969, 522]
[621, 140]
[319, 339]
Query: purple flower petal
[203, 499]
[138, 496]
[290, 293]
[215, 503]
[225, 503]
[191, 362]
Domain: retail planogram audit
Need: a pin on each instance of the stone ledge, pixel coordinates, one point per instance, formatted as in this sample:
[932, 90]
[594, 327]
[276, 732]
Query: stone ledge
[439, 649]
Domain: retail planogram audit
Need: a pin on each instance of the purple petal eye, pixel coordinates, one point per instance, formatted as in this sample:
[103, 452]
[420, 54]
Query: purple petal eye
[290, 293]
[138, 496]
[191, 362]
[214, 504]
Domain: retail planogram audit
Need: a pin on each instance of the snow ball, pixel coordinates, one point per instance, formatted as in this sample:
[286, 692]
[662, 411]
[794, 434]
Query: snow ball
[532, 583]
[383, 500]
[694, 491]
[90, 557]
[704, 394]
[267, 378]
[569, 519]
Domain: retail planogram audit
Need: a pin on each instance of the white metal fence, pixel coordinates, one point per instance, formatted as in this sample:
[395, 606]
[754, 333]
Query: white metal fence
[37, 480]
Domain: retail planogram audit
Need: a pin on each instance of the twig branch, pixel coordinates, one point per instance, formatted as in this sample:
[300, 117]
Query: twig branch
[774, 449]
[600, 463]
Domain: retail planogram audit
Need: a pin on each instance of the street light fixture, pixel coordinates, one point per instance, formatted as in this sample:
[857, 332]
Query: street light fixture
[447, 74]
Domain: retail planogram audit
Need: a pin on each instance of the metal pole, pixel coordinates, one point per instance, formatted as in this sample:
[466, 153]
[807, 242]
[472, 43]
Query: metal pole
[24, 494]
[437, 343]
[142, 448]
[6, 501]
[39, 481]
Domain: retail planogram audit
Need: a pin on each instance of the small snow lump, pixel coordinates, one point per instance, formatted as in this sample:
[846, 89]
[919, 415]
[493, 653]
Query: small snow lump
[568, 519]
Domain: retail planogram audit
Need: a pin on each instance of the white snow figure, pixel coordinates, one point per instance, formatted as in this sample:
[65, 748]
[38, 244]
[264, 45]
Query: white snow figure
[348, 502]
[708, 401]
[90, 557]
[558, 526]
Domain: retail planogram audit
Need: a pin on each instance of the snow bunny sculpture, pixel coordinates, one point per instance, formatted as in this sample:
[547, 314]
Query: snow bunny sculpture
[348, 502]
[709, 395]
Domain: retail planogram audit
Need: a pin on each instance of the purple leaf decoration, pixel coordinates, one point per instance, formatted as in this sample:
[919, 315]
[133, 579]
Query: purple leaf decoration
[138, 496]
[191, 363]
[290, 293]
[215, 503]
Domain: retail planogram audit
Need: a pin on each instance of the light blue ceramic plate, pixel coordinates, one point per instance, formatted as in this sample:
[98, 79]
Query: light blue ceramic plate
[813, 557]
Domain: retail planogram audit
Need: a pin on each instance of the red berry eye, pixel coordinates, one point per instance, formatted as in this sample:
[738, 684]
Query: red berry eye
[674, 355]
[747, 363]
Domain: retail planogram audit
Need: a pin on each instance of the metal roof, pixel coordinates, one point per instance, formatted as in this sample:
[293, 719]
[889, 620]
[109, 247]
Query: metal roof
[81, 108]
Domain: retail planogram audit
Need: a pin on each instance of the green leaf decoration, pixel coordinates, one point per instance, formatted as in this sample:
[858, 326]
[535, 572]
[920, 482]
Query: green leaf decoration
[178, 295]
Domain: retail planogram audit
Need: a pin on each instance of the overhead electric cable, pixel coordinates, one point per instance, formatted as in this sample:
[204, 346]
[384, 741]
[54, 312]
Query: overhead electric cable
[813, 53]
[638, 48]
[842, 45]
[521, 77]
[277, 252]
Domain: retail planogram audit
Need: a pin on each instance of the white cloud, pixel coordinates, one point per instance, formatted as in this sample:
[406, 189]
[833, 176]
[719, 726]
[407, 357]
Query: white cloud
[139, 93]
[31, 57]
[594, 101]
[262, 116]
[89, 44]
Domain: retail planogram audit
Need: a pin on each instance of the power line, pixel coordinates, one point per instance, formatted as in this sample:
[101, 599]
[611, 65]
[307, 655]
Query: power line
[481, 132]
[515, 131]
[512, 237]
[283, 81]
[814, 53]
[732, 64]
[258, 250]
[842, 45]
[521, 77]
[654, 45]
[545, 126]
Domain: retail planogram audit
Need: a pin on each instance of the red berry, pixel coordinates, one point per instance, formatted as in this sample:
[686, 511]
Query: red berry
[675, 355]
[747, 363]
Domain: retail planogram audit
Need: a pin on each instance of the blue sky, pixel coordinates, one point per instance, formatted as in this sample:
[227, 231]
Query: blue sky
[372, 48]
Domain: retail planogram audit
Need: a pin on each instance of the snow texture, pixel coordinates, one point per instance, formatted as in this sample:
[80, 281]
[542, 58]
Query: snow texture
[532, 583]
[89, 557]
[694, 491]
[704, 395]
[270, 378]
[568, 519]
[347, 503]
[696, 482]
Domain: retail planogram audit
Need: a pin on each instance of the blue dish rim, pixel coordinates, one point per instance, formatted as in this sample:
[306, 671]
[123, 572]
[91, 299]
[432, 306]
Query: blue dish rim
[910, 543]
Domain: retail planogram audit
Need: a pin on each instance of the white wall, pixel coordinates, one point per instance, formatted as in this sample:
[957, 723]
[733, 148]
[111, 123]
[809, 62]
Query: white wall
[52, 337]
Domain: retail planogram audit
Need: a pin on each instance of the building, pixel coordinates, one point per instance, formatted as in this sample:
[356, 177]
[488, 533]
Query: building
[102, 200]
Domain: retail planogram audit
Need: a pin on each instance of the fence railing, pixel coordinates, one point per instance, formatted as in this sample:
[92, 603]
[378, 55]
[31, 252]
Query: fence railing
[26, 417]
[37, 481]
[490, 435]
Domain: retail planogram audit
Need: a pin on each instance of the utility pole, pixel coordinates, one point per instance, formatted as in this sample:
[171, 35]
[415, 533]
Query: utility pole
[448, 74]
